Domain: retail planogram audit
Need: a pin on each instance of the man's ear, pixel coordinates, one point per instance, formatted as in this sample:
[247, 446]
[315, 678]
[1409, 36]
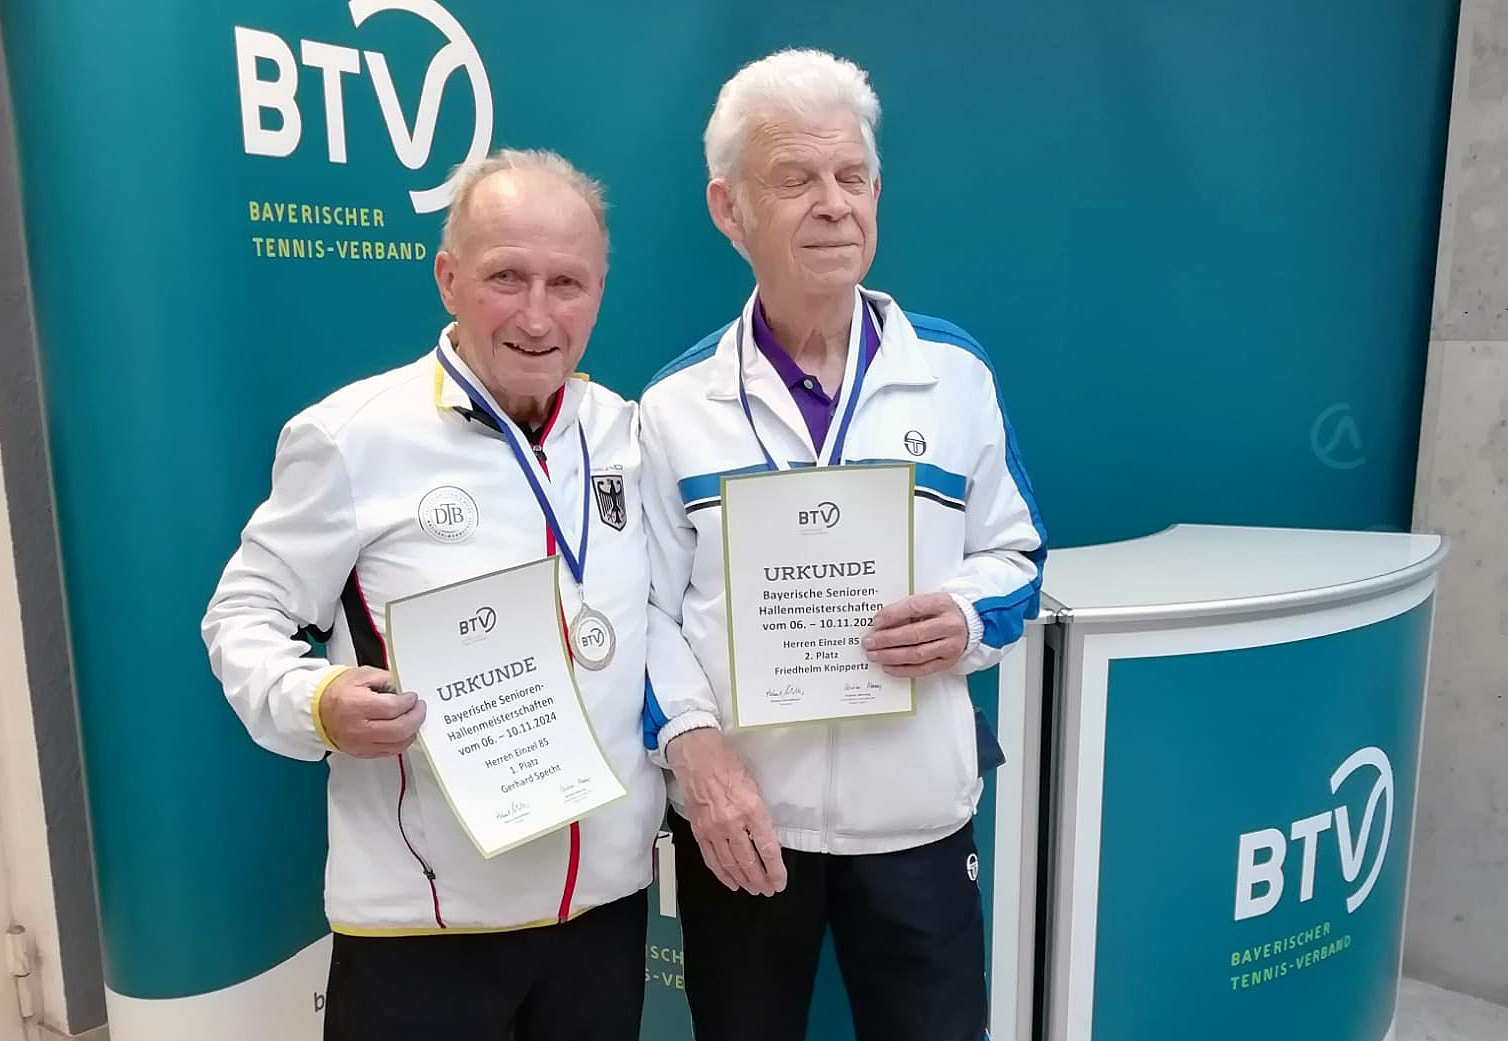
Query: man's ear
[722, 205]
[445, 279]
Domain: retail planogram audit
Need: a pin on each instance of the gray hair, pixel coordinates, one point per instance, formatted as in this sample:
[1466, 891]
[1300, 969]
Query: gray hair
[799, 82]
[469, 175]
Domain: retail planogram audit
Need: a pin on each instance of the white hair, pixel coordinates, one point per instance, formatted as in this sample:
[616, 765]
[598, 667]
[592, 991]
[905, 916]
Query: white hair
[508, 160]
[796, 82]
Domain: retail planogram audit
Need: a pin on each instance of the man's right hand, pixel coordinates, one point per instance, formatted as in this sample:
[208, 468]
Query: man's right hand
[727, 813]
[363, 718]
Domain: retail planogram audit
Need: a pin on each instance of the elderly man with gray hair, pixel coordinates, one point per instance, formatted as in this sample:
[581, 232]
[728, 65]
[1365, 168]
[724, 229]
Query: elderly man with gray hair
[484, 453]
[863, 825]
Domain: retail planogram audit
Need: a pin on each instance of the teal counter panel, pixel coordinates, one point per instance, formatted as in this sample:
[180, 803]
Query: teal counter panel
[1273, 934]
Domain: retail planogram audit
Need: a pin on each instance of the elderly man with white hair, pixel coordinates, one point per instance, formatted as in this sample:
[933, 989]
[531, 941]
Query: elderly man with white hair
[865, 825]
[484, 453]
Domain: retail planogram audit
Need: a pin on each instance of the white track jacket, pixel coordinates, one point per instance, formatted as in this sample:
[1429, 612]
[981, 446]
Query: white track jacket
[391, 486]
[930, 398]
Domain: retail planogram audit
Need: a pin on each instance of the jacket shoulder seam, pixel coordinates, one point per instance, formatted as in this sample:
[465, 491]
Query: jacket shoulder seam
[349, 414]
[940, 330]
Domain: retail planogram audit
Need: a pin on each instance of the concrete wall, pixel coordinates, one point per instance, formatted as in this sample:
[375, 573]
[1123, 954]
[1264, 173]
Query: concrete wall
[1458, 903]
[47, 835]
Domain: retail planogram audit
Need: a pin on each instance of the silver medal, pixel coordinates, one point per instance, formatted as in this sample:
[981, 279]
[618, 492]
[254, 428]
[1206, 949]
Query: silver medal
[592, 639]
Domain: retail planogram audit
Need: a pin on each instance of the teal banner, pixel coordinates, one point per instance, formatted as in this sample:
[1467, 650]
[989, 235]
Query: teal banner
[1198, 242]
[1258, 810]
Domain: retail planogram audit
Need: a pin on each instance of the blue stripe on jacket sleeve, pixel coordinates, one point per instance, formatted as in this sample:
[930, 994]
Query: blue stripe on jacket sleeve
[653, 717]
[945, 482]
[935, 478]
[1004, 617]
[709, 486]
[943, 331]
[1024, 486]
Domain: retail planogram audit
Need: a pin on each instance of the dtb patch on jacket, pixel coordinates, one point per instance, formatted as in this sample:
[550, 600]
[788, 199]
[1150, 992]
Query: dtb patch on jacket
[610, 504]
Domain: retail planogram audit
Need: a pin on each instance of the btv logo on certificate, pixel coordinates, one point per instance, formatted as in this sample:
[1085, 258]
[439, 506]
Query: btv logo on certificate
[825, 516]
[478, 625]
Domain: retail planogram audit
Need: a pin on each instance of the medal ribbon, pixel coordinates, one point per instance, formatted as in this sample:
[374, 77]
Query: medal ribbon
[866, 339]
[576, 561]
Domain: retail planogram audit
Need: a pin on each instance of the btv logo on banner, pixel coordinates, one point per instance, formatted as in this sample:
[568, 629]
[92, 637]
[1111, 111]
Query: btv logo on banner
[1260, 880]
[276, 95]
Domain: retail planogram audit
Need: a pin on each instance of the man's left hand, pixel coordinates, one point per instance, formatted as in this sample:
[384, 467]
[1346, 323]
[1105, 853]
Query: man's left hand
[917, 636]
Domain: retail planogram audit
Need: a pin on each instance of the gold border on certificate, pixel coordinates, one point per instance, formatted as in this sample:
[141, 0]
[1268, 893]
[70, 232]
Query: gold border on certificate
[554, 564]
[798, 473]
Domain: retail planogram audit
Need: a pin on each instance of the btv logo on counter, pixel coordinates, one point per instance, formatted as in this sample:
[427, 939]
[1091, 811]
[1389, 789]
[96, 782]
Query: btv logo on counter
[479, 624]
[268, 76]
[825, 515]
[1260, 881]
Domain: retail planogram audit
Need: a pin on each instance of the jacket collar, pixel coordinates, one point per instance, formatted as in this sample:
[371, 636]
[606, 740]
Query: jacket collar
[899, 361]
[450, 396]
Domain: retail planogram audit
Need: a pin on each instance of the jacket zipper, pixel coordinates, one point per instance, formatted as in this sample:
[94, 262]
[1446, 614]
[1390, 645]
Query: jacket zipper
[429, 874]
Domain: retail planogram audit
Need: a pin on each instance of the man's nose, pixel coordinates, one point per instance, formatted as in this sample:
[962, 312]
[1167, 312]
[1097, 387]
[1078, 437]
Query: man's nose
[535, 318]
[832, 202]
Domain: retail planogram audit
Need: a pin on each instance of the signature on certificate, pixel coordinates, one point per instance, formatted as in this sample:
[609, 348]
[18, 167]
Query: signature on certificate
[513, 811]
[785, 695]
[575, 791]
[860, 692]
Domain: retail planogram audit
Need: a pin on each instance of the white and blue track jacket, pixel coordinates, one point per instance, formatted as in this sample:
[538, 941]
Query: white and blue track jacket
[391, 486]
[930, 398]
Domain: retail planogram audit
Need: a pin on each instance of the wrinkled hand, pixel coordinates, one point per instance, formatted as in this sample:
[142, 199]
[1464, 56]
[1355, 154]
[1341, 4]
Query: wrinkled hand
[917, 636]
[727, 813]
[363, 718]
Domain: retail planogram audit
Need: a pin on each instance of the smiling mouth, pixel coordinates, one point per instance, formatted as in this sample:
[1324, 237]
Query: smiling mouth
[530, 350]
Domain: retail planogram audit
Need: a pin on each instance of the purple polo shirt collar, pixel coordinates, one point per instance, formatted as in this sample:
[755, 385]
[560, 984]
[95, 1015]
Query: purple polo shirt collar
[816, 407]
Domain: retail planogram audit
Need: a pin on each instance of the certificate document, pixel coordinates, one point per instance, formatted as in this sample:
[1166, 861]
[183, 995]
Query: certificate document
[505, 732]
[810, 556]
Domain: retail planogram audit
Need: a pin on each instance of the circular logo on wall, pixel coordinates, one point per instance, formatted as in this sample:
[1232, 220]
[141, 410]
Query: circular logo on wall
[448, 514]
[1336, 439]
